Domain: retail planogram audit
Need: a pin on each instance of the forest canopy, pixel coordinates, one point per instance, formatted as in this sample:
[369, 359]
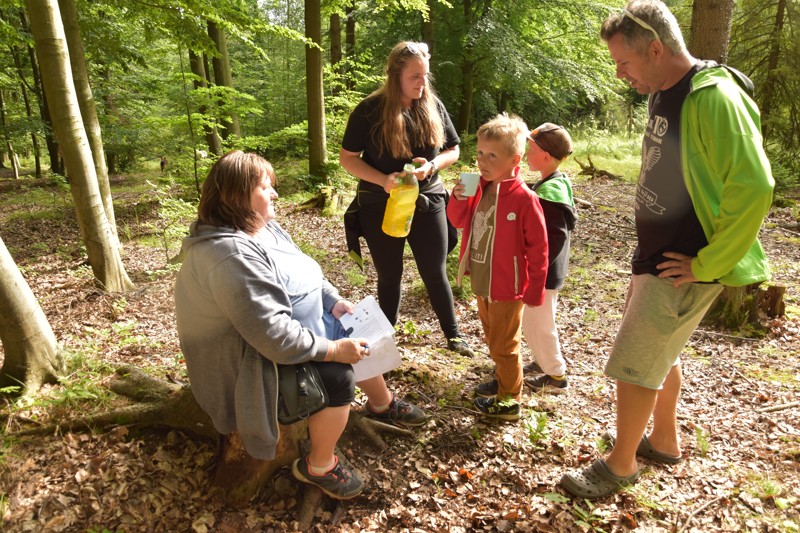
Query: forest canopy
[186, 77]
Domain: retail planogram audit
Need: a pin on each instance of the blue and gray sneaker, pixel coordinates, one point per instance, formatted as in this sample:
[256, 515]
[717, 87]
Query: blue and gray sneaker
[399, 413]
[338, 482]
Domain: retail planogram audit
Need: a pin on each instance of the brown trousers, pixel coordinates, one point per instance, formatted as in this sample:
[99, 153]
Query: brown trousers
[501, 328]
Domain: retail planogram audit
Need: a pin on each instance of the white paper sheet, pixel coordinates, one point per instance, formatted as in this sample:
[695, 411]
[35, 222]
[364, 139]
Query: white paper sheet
[369, 322]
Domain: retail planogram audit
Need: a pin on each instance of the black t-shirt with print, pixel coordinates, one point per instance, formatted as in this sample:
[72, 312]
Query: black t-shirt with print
[359, 136]
[665, 217]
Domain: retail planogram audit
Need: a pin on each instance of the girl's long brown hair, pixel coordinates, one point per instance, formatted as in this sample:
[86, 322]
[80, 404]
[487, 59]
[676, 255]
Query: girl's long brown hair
[423, 118]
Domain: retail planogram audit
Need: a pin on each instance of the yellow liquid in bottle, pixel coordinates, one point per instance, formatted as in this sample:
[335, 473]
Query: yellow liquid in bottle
[400, 208]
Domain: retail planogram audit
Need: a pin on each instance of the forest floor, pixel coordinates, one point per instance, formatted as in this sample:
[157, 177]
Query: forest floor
[738, 414]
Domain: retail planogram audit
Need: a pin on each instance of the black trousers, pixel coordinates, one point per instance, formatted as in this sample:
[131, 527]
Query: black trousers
[428, 242]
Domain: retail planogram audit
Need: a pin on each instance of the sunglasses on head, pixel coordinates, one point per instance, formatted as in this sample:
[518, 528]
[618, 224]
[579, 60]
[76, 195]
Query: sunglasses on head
[640, 22]
[417, 49]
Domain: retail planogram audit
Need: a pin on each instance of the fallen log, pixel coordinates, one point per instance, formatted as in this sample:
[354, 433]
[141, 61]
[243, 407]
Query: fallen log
[593, 172]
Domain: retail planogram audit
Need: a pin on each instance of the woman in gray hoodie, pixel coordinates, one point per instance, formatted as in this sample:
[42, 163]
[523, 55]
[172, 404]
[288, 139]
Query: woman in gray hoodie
[247, 298]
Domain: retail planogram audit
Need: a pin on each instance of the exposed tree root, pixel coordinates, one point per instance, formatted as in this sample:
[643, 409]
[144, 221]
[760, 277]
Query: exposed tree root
[237, 477]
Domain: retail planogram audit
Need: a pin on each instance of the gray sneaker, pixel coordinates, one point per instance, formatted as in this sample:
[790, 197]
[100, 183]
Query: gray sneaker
[548, 384]
[460, 346]
[339, 482]
[399, 413]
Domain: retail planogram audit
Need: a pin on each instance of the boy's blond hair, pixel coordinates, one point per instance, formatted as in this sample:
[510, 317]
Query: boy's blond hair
[509, 129]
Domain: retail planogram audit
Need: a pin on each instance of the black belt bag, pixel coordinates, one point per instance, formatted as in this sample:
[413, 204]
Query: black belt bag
[301, 392]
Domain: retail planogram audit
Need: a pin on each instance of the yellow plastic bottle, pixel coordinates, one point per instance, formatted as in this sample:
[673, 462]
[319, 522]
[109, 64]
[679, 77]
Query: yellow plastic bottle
[401, 204]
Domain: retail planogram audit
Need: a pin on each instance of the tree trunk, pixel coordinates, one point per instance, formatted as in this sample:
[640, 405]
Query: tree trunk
[12, 156]
[198, 67]
[474, 13]
[711, 29]
[768, 98]
[467, 88]
[80, 77]
[315, 99]
[51, 48]
[222, 75]
[427, 27]
[335, 36]
[44, 110]
[350, 40]
[28, 111]
[32, 357]
[735, 307]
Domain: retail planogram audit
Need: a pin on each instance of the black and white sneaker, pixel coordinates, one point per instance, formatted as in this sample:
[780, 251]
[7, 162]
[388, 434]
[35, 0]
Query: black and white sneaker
[487, 390]
[492, 408]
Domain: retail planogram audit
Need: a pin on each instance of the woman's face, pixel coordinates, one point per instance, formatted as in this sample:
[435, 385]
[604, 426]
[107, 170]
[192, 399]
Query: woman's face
[263, 199]
[413, 79]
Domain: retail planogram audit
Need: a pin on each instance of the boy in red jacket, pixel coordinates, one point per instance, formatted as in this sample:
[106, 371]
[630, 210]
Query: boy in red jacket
[504, 251]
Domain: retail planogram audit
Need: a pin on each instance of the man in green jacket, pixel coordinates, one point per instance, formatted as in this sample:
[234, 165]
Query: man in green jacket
[704, 189]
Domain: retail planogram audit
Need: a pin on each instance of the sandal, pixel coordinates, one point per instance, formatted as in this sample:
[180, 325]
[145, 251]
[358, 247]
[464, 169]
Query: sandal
[645, 449]
[596, 481]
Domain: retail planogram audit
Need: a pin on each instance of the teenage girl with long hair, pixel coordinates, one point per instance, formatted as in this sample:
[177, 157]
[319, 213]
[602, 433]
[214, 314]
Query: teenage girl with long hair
[405, 121]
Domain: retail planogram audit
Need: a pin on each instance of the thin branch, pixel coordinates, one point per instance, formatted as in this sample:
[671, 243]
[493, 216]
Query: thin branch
[780, 407]
[699, 509]
[706, 332]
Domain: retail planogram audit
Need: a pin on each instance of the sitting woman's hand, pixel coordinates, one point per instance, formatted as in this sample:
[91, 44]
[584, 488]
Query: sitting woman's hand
[341, 308]
[350, 350]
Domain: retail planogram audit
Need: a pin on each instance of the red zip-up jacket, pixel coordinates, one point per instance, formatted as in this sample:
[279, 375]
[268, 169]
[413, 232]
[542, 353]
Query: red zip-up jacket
[518, 266]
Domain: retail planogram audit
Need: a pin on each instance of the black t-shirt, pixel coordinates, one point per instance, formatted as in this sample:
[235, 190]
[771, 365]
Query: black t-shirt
[359, 136]
[665, 217]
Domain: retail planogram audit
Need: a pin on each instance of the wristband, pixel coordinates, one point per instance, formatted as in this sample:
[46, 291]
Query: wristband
[335, 349]
[434, 166]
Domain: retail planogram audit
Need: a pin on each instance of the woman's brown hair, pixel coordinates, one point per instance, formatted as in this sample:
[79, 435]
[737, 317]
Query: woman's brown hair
[226, 199]
[423, 118]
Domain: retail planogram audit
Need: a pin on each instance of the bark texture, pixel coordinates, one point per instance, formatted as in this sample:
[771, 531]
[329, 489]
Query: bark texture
[32, 356]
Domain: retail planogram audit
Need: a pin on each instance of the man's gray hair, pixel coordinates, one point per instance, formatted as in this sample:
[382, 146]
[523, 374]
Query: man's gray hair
[637, 34]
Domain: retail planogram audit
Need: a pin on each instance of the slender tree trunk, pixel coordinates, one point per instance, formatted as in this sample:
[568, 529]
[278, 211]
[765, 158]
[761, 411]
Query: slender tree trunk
[315, 99]
[768, 98]
[32, 357]
[350, 40]
[222, 74]
[335, 33]
[80, 77]
[28, 110]
[474, 12]
[711, 29]
[427, 27]
[198, 67]
[12, 156]
[44, 109]
[51, 48]
[467, 88]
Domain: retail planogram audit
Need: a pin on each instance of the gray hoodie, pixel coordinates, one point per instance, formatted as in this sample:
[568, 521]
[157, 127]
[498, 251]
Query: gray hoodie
[236, 319]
